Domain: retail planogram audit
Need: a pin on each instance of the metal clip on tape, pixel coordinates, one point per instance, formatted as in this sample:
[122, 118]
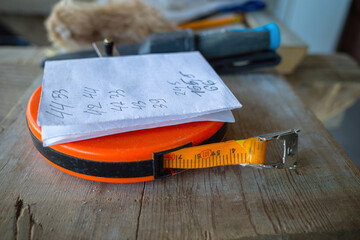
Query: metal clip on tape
[290, 142]
[247, 152]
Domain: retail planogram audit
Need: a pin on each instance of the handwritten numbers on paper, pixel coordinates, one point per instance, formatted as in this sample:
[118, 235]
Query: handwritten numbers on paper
[56, 107]
[59, 94]
[179, 90]
[59, 110]
[186, 75]
[189, 83]
[118, 106]
[116, 93]
[94, 109]
[138, 105]
[174, 83]
[186, 84]
[210, 88]
[89, 98]
[90, 92]
[158, 103]
[196, 89]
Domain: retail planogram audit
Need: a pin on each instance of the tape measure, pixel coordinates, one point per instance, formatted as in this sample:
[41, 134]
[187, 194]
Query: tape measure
[150, 154]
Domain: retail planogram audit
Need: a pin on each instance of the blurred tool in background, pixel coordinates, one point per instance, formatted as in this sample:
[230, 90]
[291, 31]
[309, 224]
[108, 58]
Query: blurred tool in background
[74, 25]
[247, 6]
[228, 47]
[208, 23]
[227, 50]
[185, 11]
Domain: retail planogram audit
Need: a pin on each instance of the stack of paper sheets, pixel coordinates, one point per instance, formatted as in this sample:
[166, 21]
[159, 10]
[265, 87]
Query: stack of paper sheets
[88, 98]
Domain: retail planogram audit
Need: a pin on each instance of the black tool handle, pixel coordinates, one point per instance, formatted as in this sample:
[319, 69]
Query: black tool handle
[224, 42]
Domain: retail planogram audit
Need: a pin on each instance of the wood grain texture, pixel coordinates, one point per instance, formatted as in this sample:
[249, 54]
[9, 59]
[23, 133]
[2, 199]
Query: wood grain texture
[327, 84]
[319, 200]
[19, 66]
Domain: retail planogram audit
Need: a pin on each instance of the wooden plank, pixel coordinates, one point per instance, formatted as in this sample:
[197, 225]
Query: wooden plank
[22, 55]
[235, 202]
[327, 84]
[321, 199]
[292, 49]
[19, 66]
[40, 202]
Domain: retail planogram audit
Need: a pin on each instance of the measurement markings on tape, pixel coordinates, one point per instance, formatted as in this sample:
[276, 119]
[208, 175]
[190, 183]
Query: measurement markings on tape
[248, 151]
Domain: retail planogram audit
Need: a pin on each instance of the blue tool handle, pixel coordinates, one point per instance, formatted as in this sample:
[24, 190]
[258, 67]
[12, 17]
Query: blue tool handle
[244, 7]
[273, 30]
[229, 42]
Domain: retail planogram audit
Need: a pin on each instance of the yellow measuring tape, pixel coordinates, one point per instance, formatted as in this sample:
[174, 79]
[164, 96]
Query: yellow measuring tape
[248, 151]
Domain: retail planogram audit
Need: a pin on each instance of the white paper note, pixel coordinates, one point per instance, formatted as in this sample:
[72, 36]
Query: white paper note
[89, 98]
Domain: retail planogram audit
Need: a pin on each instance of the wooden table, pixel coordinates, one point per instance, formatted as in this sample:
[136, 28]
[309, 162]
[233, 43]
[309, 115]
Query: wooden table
[19, 66]
[320, 199]
[327, 84]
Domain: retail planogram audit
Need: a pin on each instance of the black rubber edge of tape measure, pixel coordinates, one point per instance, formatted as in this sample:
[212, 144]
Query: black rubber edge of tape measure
[108, 169]
[158, 167]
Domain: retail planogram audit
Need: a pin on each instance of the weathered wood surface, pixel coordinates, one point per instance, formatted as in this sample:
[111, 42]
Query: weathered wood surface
[19, 66]
[327, 84]
[321, 199]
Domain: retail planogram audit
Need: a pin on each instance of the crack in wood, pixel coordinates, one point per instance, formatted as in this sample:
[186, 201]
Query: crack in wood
[32, 225]
[24, 226]
[18, 206]
[138, 218]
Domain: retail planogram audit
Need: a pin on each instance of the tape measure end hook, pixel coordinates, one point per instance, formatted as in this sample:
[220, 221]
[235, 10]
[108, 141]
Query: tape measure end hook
[290, 143]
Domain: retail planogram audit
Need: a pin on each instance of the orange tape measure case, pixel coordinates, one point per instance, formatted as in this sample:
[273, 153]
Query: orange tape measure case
[121, 158]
